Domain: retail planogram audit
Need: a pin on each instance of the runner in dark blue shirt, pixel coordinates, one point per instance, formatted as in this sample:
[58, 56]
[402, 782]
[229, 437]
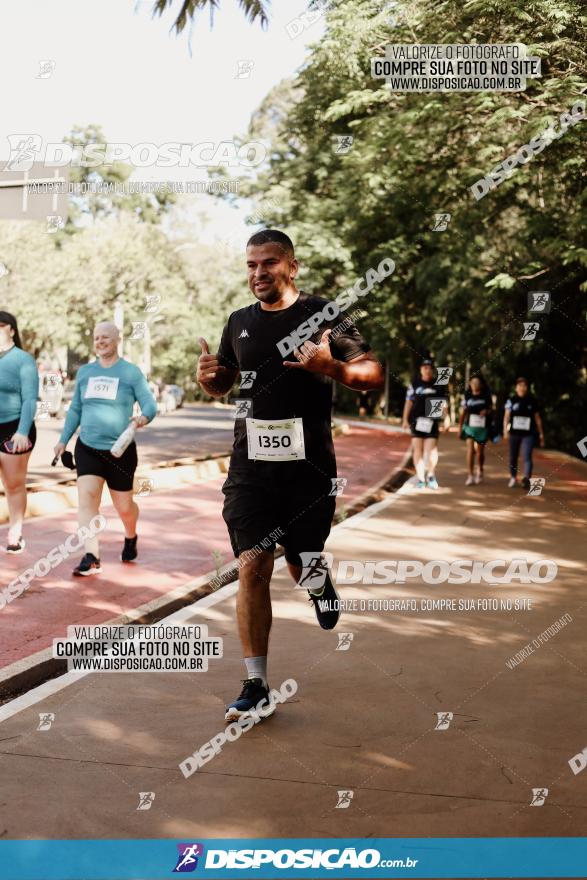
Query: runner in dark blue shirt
[424, 409]
[522, 419]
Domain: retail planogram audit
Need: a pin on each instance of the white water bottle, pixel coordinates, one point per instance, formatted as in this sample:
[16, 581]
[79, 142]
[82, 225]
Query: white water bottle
[125, 439]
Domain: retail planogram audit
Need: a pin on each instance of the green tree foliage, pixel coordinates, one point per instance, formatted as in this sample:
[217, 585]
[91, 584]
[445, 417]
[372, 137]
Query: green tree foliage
[91, 205]
[460, 294]
[187, 10]
[116, 248]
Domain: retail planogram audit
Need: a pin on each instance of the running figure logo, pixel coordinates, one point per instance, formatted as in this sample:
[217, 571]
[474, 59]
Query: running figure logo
[443, 375]
[315, 567]
[244, 66]
[530, 330]
[441, 222]
[247, 379]
[342, 143]
[146, 799]
[344, 800]
[46, 719]
[444, 719]
[46, 68]
[23, 150]
[243, 408]
[434, 407]
[539, 795]
[152, 302]
[344, 641]
[338, 485]
[139, 328]
[145, 488]
[43, 409]
[54, 222]
[539, 301]
[187, 860]
[582, 446]
[537, 484]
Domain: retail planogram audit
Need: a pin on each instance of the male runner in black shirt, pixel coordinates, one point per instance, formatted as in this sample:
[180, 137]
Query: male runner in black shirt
[280, 480]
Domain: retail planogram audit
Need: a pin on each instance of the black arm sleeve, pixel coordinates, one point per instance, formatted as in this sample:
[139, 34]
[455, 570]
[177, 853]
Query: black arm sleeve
[348, 345]
[226, 354]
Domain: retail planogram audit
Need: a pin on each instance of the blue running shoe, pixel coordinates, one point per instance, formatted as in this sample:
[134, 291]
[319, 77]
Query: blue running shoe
[420, 484]
[253, 693]
[432, 482]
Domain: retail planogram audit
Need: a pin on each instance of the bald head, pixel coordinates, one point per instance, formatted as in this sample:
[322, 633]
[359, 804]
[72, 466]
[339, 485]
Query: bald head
[106, 339]
[107, 328]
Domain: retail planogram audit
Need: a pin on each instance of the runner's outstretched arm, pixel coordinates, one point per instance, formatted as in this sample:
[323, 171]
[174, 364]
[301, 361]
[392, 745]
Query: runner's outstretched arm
[363, 373]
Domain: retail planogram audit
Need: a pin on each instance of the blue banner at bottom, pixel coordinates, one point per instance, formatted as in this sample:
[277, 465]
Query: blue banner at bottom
[270, 859]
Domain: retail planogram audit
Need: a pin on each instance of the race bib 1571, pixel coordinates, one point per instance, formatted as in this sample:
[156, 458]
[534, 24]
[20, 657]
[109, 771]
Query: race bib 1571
[104, 387]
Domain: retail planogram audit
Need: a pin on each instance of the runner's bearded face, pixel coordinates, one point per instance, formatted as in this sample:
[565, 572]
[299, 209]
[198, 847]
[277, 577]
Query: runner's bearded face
[271, 271]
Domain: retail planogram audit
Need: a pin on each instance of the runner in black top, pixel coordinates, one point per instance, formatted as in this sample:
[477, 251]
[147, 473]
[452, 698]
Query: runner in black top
[280, 481]
[474, 426]
[423, 413]
[522, 418]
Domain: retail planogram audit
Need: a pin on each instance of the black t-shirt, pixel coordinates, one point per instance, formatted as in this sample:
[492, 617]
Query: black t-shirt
[523, 415]
[249, 344]
[419, 391]
[476, 404]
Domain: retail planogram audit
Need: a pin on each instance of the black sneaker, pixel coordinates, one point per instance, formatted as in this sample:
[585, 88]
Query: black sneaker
[326, 614]
[18, 547]
[253, 693]
[88, 565]
[129, 551]
[526, 483]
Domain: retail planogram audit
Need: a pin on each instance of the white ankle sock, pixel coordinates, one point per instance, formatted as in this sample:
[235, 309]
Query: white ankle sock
[257, 668]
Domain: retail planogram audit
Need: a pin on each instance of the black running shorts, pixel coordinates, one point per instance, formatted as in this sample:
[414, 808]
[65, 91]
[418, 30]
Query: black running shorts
[7, 429]
[119, 473]
[433, 434]
[260, 514]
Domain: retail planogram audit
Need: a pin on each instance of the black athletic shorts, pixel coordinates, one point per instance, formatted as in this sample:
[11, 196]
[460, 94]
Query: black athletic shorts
[262, 513]
[423, 434]
[119, 473]
[7, 429]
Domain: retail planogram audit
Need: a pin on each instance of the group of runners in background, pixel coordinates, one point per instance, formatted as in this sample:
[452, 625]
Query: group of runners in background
[522, 426]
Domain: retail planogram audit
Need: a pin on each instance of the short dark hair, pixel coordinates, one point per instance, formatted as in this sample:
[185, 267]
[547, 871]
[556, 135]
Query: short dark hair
[521, 379]
[273, 236]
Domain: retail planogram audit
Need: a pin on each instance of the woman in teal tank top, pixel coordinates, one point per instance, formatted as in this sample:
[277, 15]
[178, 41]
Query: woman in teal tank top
[19, 389]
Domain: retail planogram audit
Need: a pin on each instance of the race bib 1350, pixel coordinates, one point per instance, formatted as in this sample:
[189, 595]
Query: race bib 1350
[279, 440]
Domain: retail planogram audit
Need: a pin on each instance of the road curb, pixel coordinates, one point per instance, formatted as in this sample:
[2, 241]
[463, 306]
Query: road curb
[38, 668]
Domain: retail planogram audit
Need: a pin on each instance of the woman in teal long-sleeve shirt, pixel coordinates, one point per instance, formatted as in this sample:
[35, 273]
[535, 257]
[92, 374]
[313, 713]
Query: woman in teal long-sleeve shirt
[19, 389]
